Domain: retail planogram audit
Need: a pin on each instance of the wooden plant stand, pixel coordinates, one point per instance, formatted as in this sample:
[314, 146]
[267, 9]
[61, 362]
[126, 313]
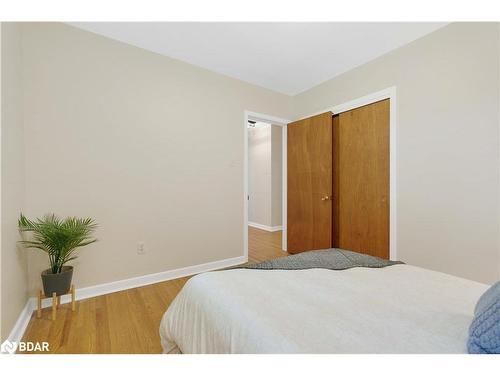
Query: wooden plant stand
[56, 301]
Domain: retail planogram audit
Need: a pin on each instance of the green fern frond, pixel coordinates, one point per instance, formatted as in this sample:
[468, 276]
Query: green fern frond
[59, 238]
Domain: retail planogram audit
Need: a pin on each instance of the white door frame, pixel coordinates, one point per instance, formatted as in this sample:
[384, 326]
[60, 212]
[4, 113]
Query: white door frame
[388, 93]
[260, 117]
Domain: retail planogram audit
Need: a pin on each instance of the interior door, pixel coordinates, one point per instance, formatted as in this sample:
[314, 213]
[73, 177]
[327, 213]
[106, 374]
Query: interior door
[309, 170]
[361, 179]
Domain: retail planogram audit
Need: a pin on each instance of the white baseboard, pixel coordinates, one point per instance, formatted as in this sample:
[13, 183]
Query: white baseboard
[17, 332]
[265, 227]
[97, 290]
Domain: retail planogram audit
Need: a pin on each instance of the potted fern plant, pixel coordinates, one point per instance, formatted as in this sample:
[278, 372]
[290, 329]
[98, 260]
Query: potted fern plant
[59, 239]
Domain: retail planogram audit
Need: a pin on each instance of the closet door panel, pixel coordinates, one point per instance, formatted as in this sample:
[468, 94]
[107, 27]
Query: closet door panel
[361, 179]
[309, 170]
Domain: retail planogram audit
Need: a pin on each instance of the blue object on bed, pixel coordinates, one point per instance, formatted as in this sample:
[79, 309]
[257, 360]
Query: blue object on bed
[484, 331]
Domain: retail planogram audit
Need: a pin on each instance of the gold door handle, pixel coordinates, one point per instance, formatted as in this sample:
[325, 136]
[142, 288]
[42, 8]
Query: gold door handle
[325, 198]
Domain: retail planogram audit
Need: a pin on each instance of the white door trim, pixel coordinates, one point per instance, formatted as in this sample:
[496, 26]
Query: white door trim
[391, 94]
[254, 116]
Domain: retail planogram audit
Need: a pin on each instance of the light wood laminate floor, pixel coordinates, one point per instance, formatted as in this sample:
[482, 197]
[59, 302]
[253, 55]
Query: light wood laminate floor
[126, 321]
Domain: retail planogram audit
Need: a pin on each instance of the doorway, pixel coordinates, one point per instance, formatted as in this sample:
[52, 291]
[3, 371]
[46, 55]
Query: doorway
[265, 186]
[264, 176]
[265, 189]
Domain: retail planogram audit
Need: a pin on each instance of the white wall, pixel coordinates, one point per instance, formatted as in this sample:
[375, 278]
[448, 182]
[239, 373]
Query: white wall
[447, 144]
[276, 175]
[14, 279]
[259, 174]
[264, 175]
[150, 147]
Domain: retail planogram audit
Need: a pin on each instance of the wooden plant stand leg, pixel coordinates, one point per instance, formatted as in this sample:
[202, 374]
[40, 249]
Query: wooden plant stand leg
[54, 305]
[73, 304]
[56, 302]
[39, 305]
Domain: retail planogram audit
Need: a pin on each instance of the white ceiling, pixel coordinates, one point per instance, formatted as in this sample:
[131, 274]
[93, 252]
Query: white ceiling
[285, 57]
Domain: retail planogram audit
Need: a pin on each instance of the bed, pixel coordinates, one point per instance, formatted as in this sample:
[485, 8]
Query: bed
[394, 309]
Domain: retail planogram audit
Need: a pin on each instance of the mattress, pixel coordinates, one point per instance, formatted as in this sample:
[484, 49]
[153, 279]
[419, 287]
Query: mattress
[396, 309]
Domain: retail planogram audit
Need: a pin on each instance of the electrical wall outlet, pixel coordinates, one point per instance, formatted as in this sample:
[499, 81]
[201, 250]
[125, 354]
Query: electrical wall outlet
[140, 248]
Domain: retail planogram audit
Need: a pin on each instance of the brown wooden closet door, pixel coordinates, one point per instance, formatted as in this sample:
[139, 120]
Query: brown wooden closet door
[361, 180]
[309, 170]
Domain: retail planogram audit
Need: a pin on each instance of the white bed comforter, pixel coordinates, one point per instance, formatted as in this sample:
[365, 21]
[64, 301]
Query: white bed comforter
[397, 309]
